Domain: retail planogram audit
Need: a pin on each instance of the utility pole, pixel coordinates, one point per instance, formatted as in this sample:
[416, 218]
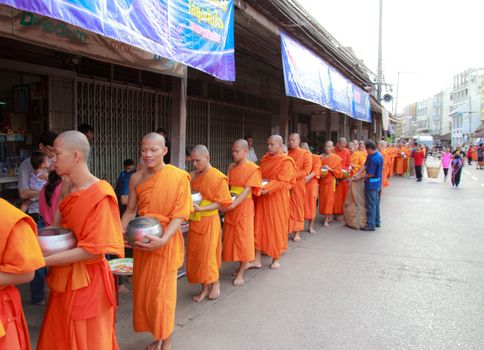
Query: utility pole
[470, 119]
[380, 65]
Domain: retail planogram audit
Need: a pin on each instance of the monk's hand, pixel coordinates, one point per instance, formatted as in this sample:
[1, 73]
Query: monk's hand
[226, 209]
[153, 244]
[196, 207]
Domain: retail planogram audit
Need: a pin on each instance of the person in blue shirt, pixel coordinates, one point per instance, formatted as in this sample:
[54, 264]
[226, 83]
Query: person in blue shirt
[372, 175]
[122, 184]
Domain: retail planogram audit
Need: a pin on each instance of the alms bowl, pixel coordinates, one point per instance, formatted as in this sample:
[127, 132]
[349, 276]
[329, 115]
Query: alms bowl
[53, 240]
[196, 198]
[141, 227]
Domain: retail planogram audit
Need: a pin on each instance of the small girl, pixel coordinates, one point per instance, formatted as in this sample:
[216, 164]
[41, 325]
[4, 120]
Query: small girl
[446, 160]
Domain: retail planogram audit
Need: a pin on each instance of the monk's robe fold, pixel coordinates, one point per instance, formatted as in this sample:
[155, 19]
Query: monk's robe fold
[357, 161]
[204, 246]
[272, 210]
[400, 161]
[238, 242]
[303, 161]
[327, 184]
[19, 253]
[341, 185]
[166, 196]
[81, 307]
[312, 189]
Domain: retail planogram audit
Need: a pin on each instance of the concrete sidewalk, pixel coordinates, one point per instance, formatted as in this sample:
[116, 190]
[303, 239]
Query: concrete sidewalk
[416, 283]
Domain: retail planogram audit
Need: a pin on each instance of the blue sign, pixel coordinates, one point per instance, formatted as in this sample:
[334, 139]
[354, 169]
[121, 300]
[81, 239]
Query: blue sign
[198, 33]
[309, 77]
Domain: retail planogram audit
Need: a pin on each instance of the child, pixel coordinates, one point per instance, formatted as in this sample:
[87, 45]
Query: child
[38, 177]
[446, 160]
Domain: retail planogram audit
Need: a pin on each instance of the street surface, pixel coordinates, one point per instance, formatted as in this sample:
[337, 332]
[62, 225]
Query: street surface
[415, 283]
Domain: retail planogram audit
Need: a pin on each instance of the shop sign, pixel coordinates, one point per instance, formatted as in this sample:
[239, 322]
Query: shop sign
[307, 76]
[51, 33]
[198, 33]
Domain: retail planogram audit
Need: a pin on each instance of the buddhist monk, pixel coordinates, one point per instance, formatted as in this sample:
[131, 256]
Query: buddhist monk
[332, 167]
[161, 191]
[81, 306]
[272, 207]
[312, 189]
[382, 148]
[341, 184]
[302, 159]
[400, 160]
[20, 256]
[204, 246]
[362, 147]
[245, 181]
[357, 158]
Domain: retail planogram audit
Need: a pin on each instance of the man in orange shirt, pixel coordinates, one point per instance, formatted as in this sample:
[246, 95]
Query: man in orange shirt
[245, 181]
[161, 191]
[272, 207]
[342, 151]
[204, 245]
[331, 170]
[303, 161]
[312, 189]
[20, 256]
[81, 306]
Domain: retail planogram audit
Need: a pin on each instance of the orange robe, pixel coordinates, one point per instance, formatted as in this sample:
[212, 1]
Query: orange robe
[357, 161]
[341, 185]
[272, 209]
[204, 246]
[238, 243]
[19, 253]
[303, 161]
[312, 189]
[327, 184]
[391, 166]
[401, 161]
[386, 168]
[81, 307]
[166, 196]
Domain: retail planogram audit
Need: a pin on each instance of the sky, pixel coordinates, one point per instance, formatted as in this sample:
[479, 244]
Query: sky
[427, 41]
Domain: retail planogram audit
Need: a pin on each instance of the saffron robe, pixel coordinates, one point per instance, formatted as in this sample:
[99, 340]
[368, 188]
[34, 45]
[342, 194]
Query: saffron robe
[327, 184]
[357, 161]
[204, 246]
[312, 189]
[401, 161]
[166, 196]
[272, 209]
[341, 185]
[238, 240]
[81, 307]
[303, 161]
[386, 167]
[19, 253]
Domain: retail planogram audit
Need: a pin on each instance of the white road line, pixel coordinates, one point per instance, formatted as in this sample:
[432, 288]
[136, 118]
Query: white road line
[474, 178]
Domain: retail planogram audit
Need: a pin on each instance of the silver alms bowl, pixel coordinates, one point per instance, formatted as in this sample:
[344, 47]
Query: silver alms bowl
[53, 240]
[143, 226]
[197, 198]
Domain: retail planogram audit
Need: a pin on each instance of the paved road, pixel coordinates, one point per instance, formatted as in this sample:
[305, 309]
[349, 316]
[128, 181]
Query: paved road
[416, 283]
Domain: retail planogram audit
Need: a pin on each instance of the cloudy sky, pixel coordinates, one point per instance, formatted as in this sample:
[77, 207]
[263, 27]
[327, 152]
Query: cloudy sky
[428, 41]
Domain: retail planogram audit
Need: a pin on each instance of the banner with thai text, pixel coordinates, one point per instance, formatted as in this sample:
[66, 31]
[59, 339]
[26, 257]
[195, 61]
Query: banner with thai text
[198, 33]
[309, 77]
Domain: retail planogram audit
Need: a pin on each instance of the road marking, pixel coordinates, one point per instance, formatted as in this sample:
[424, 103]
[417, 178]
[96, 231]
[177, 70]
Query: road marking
[474, 178]
[468, 173]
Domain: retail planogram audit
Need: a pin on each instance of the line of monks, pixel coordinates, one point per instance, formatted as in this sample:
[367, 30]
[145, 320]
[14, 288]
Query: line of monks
[262, 205]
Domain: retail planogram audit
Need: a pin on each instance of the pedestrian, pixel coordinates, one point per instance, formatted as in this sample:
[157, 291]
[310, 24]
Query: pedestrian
[457, 164]
[122, 184]
[373, 185]
[470, 150]
[480, 156]
[418, 158]
[446, 157]
[252, 155]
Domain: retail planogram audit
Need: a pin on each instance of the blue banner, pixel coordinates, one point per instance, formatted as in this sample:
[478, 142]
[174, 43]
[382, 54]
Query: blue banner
[307, 76]
[198, 33]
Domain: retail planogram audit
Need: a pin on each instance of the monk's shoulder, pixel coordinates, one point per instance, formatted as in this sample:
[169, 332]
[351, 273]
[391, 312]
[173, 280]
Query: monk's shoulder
[217, 174]
[11, 215]
[105, 188]
[175, 172]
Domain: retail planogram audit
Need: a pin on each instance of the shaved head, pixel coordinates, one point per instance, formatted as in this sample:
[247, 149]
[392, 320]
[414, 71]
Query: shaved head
[304, 145]
[342, 141]
[153, 136]
[201, 150]
[276, 138]
[294, 140]
[242, 144]
[200, 159]
[75, 141]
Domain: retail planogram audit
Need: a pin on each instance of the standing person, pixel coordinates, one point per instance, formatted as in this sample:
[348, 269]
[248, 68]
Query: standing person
[204, 239]
[49, 197]
[357, 158]
[457, 164]
[341, 190]
[470, 150]
[81, 284]
[312, 189]
[245, 181]
[385, 153]
[480, 156]
[373, 185]
[332, 167]
[272, 207]
[252, 155]
[161, 191]
[88, 131]
[303, 161]
[446, 158]
[38, 177]
[122, 184]
[418, 158]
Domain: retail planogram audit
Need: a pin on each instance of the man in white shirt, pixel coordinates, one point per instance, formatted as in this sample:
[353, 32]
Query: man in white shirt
[252, 156]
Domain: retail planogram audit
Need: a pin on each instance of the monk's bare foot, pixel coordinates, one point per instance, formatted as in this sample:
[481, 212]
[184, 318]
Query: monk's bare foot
[156, 345]
[202, 295]
[311, 230]
[275, 265]
[236, 272]
[297, 237]
[254, 265]
[214, 291]
[123, 289]
[326, 224]
[238, 281]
